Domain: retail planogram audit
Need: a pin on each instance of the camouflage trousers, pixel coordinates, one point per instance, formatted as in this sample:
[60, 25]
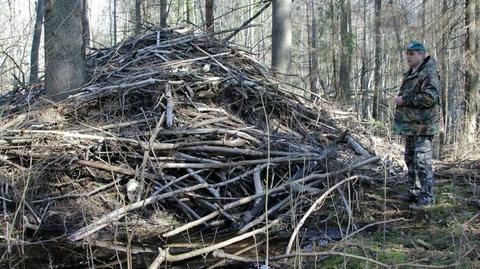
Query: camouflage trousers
[418, 157]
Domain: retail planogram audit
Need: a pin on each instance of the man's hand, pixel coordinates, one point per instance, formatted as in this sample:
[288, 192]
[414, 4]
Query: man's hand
[399, 100]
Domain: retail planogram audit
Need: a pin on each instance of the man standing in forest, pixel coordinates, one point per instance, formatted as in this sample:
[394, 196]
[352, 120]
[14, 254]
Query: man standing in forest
[417, 118]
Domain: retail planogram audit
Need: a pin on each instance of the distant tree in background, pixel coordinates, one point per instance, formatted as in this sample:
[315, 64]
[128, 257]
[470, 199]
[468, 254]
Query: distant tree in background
[37, 34]
[377, 78]
[114, 24]
[64, 47]
[163, 13]
[472, 60]
[138, 16]
[209, 15]
[346, 49]
[281, 36]
[313, 49]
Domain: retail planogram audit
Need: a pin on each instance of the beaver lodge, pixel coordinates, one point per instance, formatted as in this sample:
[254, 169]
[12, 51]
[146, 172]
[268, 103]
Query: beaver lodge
[182, 151]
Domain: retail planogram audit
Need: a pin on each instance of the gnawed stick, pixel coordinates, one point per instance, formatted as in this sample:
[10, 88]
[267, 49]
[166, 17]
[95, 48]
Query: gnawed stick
[257, 182]
[200, 179]
[111, 126]
[164, 256]
[357, 147]
[192, 215]
[221, 254]
[85, 95]
[176, 181]
[312, 208]
[146, 155]
[158, 260]
[78, 195]
[121, 247]
[202, 220]
[215, 207]
[241, 251]
[210, 216]
[112, 168]
[239, 163]
[169, 108]
[261, 218]
[257, 205]
[14, 122]
[237, 133]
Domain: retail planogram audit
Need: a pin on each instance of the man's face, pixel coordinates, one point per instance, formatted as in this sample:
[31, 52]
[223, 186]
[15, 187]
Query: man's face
[414, 57]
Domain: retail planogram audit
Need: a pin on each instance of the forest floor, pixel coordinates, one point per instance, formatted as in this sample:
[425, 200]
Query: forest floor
[446, 235]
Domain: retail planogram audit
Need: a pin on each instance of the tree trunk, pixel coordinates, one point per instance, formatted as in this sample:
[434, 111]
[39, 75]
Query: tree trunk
[345, 52]
[86, 28]
[281, 36]
[314, 74]
[209, 15]
[188, 6]
[37, 34]
[163, 13]
[397, 30]
[472, 93]
[114, 30]
[442, 57]
[364, 75]
[423, 14]
[378, 54]
[138, 17]
[333, 40]
[64, 61]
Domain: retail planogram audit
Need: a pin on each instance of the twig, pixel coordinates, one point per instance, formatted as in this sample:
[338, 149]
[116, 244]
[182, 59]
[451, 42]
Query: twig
[164, 256]
[169, 107]
[312, 208]
[329, 253]
[78, 195]
[201, 180]
[221, 254]
[244, 24]
[220, 263]
[455, 264]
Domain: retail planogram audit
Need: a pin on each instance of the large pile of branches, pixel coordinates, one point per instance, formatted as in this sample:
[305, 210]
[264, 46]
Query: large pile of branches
[177, 137]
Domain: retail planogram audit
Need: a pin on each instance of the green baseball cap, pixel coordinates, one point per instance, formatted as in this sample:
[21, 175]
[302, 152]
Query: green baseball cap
[415, 45]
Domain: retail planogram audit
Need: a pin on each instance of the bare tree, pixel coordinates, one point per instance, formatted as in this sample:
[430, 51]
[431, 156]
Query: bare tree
[333, 40]
[163, 13]
[37, 34]
[188, 7]
[114, 30]
[397, 29]
[472, 93]
[443, 57]
[138, 16]
[364, 69]
[281, 35]
[64, 57]
[86, 28]
[345, 51]
[423, 18]
[378, 54]
[209, 15]
[313, 55]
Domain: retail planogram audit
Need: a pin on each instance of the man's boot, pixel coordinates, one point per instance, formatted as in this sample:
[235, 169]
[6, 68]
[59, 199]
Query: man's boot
[423, 164]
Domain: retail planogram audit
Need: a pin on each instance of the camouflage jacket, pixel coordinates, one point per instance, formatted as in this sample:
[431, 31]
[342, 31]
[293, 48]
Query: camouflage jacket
[420, 112]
